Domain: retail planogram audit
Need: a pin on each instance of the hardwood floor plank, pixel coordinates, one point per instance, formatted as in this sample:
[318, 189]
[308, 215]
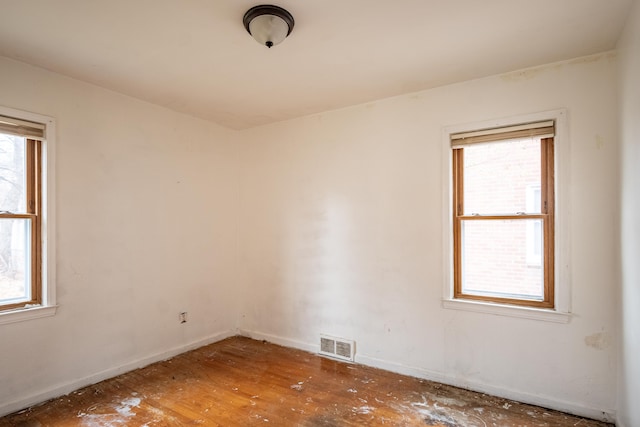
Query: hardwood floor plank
[243, 382]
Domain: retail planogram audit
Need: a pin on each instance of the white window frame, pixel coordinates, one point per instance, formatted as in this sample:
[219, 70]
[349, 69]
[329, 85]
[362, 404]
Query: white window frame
[562, 280]
[48, 263]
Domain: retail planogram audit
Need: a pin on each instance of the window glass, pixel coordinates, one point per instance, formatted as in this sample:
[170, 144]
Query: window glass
[497, 175]
[12, 174]
[495, 260]
[15, 266]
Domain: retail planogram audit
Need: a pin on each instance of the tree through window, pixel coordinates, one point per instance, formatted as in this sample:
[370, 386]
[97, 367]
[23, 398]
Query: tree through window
[20, 218]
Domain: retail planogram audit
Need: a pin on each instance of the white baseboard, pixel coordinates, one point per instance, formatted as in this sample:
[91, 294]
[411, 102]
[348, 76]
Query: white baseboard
[65, 388]
[532, 399]
[286, 342]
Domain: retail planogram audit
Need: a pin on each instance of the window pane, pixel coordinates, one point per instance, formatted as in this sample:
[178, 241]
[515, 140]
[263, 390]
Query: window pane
[498, 177]
[503, 258]
[15, 250]
[12, 174]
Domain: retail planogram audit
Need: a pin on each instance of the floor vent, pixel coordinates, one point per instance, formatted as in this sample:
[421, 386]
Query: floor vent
[337, 348]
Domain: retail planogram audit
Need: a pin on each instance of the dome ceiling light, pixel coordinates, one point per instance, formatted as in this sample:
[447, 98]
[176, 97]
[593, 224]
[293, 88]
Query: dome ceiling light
[268, 24]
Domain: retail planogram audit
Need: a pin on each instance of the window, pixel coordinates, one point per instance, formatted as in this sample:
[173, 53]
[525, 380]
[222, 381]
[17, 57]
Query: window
[503, 215]
[25, 246]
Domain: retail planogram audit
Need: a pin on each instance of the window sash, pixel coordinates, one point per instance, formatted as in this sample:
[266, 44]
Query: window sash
[547, 298]
[547, 217]
[33, 155]
[33, 284]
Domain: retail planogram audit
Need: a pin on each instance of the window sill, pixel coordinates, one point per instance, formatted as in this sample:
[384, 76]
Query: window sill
[24, 314]
[508, 310]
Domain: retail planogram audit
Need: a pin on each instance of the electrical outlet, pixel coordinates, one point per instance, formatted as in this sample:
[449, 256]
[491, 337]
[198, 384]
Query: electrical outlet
[183, 317]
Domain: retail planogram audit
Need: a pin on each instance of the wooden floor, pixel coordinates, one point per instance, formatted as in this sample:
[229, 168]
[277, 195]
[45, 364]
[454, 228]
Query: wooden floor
[243, 382]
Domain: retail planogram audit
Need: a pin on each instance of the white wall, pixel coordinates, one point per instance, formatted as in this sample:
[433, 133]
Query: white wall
[146, 227]
[341, 234]
[629, 382]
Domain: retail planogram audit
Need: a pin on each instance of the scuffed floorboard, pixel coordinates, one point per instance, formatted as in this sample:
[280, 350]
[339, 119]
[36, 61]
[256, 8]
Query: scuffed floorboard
[243, 382]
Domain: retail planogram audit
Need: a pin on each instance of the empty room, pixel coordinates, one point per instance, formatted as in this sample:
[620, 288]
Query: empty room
[320, 213]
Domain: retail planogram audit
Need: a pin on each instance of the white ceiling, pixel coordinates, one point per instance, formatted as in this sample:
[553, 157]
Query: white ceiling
[194, 56]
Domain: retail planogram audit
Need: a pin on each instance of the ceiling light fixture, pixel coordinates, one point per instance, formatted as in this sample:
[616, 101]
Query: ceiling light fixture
[268, 24]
